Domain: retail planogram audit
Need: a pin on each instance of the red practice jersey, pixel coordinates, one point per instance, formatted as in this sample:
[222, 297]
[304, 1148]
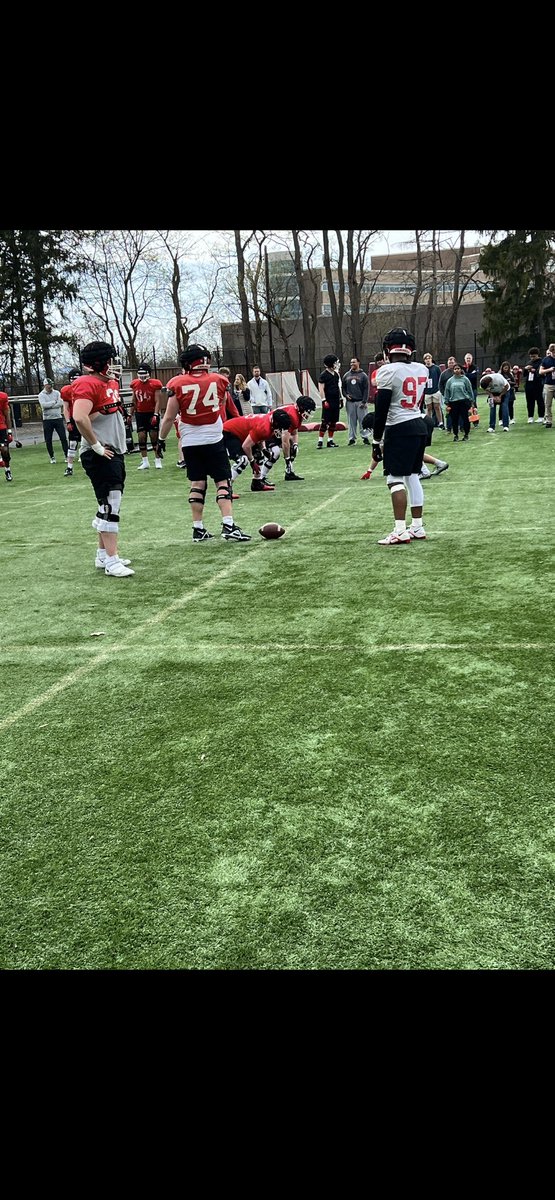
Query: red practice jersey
[296, 418]
[4, 411]
[200, 395]
[67, 394]
[259, 428]
[144, 394]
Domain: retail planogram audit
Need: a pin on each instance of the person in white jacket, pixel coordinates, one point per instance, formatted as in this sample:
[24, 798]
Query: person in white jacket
[52, 418]
[260, 394]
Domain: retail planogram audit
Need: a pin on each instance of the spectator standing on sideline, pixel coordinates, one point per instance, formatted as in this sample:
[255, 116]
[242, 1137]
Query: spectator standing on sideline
[5, 434]
[459, 396]
[241, 394]
[506, 370]
[517, 372]
[398, 416]
[72, 431]
[147, 394]
[198, 396]
[471, 371]
[52, 419]
[497, 388]
[329, 386]
[259, 392]
[445, 375]
[432, 394]
[547, 372]
[533, 386]
[97, 414]
[354, 387]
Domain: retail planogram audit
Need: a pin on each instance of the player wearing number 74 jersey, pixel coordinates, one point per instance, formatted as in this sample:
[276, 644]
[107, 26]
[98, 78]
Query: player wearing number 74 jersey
[398, 418]
[197, 397]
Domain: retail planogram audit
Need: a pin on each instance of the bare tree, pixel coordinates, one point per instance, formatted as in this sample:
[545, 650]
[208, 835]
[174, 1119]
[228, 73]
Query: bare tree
[120, 289]
[178, 245]
[308, 282]
[240, 248]
[337, 305]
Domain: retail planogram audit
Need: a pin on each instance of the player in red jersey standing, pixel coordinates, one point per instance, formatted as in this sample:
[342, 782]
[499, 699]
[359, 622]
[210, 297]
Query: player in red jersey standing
[97, 415]
[146, 408]
[73, 435]
[198, 397]
[5, 434]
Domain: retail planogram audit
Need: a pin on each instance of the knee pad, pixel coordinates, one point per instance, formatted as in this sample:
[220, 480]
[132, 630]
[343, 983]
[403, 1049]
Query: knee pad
[197, 495]
[395, 483]
[415, 491]
[225, 491]
[107, 517]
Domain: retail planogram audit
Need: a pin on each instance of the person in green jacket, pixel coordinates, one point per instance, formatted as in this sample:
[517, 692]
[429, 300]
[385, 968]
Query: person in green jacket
[459, 397]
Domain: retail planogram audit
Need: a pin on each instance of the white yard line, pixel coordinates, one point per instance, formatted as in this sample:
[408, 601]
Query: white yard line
[87, 668]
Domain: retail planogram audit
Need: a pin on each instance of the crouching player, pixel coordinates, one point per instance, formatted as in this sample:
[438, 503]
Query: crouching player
[256, 440]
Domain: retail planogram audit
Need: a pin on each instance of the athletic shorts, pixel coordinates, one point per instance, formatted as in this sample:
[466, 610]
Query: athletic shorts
[105, 474]
[202, 461]
[143, 419]
[403, 452]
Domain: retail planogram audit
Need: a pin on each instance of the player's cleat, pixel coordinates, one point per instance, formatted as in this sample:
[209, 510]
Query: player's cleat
[234, 534]
[365, 442]
[440, 466]
[424, 473]
[144, 465]
[181, 465]
[418, 535]
[319, 444]
[260, 485]
[291, 475]
[101, 562]
[158, 463]
[53, 460]
[68, 471]
[9, 478]
[367, 475]
[396, 539]
[202, 535]
[118, 569]
[332, 445]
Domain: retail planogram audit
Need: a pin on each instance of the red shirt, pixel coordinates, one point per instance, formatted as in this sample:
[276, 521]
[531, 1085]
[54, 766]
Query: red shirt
[258, 428]
[296, 418]
[104, 393]
[67, 394]
[4, 410]
[144, 394]
[201, 396]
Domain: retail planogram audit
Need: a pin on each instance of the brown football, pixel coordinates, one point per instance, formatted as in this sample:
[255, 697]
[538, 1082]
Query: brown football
[271, 530]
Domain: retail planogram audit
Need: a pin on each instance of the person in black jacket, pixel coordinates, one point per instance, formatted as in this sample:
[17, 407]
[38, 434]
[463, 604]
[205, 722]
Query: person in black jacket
[533, 386]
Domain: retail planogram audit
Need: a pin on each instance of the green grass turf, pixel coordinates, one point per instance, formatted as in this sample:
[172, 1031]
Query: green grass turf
[316, 753]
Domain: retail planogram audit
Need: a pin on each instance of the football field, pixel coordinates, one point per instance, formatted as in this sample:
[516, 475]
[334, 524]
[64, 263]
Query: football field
[307, 754]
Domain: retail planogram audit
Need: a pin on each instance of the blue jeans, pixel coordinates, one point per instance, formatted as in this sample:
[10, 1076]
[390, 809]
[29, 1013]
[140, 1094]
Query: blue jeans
[503, 412]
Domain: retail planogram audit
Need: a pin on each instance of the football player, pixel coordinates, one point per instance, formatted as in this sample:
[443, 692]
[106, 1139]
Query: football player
[5, 434]
[197, 397]
[146, 408]
[329, 386]
[97, 415]
[256, 440]
[398, 418]
[300, 411]
[73, 434]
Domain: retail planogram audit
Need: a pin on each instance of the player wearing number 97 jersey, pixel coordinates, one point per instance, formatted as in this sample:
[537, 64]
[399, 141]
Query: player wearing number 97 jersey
[398, 418]
[197, 397]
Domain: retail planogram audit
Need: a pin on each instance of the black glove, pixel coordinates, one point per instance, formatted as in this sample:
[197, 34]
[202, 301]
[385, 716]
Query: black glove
[377, 451]
[161, 447]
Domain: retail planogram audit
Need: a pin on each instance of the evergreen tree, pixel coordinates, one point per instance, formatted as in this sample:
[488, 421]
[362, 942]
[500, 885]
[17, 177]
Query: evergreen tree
[519, 303]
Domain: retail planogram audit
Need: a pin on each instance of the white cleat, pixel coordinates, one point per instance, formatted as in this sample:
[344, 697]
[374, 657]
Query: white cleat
[144, 466]
[101, 562]
[418, 534]
[396, 539]
[158, 463]
[118, 569]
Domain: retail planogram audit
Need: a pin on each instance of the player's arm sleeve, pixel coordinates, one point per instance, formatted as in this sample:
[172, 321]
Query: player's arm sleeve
[383, 400]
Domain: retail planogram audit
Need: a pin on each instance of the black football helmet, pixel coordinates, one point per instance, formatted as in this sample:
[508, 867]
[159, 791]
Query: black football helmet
[399, 341]
[195, 355]
[74, 374]
[143, 372]
[305, 406]
[98, 355]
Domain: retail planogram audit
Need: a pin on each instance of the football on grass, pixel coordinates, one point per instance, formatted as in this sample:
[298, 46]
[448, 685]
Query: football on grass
[271, 531]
